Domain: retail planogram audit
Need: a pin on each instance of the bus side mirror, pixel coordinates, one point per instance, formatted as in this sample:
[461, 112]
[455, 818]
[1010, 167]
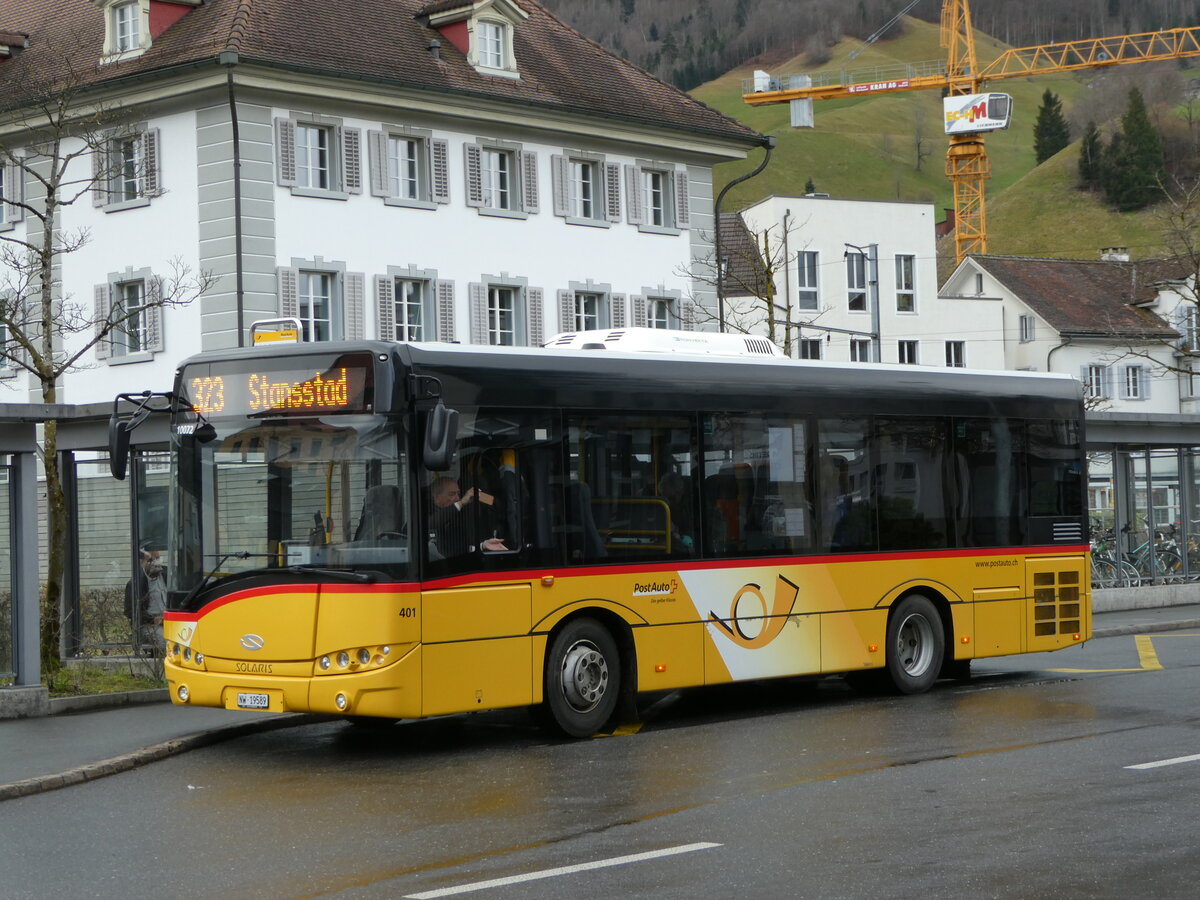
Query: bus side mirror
[118, 446]
[441, 434]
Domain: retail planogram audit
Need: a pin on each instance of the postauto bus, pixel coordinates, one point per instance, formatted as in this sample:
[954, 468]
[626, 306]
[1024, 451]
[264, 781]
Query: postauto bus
[622, 522]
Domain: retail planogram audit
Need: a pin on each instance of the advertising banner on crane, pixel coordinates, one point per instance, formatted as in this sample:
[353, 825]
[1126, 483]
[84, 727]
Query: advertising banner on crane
[969, 113]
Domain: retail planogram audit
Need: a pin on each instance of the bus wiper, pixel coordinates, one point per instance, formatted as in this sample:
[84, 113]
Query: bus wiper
[342, 574]
[206, 580]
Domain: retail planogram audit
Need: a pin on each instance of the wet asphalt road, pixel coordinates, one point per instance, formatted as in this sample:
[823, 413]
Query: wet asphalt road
[1014, 784]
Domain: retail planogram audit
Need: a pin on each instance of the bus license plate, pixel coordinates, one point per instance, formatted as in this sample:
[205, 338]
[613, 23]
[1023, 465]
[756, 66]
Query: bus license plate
[253, 701]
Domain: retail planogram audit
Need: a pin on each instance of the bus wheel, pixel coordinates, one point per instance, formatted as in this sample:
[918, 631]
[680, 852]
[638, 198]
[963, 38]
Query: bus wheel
[915, 644]
[583, 678]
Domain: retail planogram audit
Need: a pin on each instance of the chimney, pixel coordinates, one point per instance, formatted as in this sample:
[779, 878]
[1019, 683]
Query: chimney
[1114, 254]
[435, 47]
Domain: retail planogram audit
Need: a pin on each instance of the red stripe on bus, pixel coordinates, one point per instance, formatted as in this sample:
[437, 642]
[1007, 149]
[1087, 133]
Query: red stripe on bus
[481, 578]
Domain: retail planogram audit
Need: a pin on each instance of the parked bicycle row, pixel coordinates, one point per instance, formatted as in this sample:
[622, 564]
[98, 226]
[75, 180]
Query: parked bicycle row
[1137, 560]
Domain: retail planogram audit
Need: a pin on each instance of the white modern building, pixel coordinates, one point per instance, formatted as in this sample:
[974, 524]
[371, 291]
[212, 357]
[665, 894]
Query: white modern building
[858, 279]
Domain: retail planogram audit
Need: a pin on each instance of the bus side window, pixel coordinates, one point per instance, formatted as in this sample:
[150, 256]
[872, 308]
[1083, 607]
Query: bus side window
[847, 507]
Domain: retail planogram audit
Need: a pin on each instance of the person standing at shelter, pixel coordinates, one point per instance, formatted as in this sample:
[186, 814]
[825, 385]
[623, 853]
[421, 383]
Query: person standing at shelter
[146, 601]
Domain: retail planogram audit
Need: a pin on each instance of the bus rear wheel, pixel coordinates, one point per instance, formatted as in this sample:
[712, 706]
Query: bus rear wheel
[583, 678]
[915, 644]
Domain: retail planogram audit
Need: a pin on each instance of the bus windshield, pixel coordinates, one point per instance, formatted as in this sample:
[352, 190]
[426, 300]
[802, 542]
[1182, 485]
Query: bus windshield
[276, 491]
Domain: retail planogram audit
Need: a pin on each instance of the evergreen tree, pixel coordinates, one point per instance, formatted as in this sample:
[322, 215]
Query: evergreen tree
[809, 187]
[1133, 163]
[1090, 157]
[1050, 132]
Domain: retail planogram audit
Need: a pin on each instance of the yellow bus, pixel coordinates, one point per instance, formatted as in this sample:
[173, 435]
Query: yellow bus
[390, 530]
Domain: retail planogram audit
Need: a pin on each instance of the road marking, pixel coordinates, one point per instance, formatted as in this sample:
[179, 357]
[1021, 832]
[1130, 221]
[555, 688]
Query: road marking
[1167, 762]
[1146, 656]
[561, 870]
[624, 730]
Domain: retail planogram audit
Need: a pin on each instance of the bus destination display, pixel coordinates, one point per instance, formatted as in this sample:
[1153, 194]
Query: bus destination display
[314, 389]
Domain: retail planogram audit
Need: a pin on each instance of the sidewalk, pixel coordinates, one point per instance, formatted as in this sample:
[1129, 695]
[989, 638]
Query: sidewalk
[42, 754]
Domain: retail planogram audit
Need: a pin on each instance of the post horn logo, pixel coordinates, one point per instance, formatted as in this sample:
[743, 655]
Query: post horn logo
[252, 642]
[753, 625]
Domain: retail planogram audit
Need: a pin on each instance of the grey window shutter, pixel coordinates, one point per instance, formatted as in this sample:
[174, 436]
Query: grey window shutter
[439, 157]
[351, 160]
[639, 311]
[473, 158]
[529, 181]
[355, 305]
[612, 191]
[103, 308]
[477, 298]
[566, 310]
[100, 174]
[558, 184]
[377, 163]
[155, 342]
[683, 215]
[634, 205]
[687, 314]
[1144, 381]
[617, 310]
[1083, 376]
[14, 188]
[535, 314]
[285, 152]
[150, 159]
[385, 307]
[287, 280]
[445, 310]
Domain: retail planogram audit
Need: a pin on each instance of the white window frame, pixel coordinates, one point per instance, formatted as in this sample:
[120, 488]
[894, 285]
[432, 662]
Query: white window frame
[908, 353]
[492, 38]
[315, 287]
[126, 25]
[1095, 382]
[502, 326]
[125, 170]
[408, 167]
[501, 179]
[657, 197]
[317, 156]
[1027, 328]
[4, 177]
[906, 283]
[956, 354]
[808, 267]
[139, 338]
[497, 171]
[413, 300]
[1189, 327]
[856, 282]
[1134, 382]
[860, 350]
[809, 348]
[589, 311]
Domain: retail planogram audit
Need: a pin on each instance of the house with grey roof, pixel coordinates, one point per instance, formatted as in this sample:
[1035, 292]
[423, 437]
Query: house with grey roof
[458, 170]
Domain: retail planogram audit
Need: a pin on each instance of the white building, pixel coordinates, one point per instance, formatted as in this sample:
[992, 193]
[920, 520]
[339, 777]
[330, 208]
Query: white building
[859, 277]
[1114, 324]
[459, 170]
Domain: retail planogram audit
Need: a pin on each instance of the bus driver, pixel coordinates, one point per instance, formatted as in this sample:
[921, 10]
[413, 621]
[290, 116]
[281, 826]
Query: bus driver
[452, 524]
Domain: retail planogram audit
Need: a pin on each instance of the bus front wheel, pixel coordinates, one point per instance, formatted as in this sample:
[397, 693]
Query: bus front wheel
[915, 644]
[583, 678]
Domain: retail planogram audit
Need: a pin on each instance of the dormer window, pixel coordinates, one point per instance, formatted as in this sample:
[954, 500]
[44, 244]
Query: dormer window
[130, 26]
[490, 36]
[126, 26]
[481, 29]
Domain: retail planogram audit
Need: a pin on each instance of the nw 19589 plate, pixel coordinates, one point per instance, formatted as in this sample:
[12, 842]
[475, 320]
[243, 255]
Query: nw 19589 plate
[253, 701]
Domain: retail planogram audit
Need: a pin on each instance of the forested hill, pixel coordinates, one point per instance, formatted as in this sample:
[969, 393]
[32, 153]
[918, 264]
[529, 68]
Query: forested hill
[689, 42]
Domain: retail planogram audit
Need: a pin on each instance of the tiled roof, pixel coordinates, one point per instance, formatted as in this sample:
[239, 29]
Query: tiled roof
[372, 40]
[1087, 298]
[745, 270]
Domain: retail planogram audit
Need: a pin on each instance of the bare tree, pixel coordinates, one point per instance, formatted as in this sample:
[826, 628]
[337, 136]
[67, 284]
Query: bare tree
[753, 267]
[58, 154]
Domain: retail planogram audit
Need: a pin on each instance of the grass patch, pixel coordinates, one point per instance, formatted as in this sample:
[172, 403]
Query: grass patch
[86, 680]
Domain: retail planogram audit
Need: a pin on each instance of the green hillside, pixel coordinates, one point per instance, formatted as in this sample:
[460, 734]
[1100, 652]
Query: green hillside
[865, 147]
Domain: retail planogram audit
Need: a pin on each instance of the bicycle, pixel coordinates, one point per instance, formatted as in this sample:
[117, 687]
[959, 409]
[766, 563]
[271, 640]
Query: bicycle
[1156, 560]
[1107, 571]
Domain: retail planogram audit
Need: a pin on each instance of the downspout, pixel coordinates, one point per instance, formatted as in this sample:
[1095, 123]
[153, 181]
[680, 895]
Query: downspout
[1066, 342]
[769, 144]
[229, 59]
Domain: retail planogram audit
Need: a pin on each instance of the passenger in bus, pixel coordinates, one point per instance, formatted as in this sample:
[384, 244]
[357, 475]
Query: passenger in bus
[453, 524]
[673, 489]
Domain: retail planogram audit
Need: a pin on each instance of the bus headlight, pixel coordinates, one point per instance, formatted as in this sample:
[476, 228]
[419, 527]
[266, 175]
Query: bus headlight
[341, 702]
[364, 656]
[199, 659]
[183, 693]
[343, 659]
[325, 662]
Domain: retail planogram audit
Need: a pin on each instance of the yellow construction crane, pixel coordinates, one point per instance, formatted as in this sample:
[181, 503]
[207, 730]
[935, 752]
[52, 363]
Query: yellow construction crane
[969, 114]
